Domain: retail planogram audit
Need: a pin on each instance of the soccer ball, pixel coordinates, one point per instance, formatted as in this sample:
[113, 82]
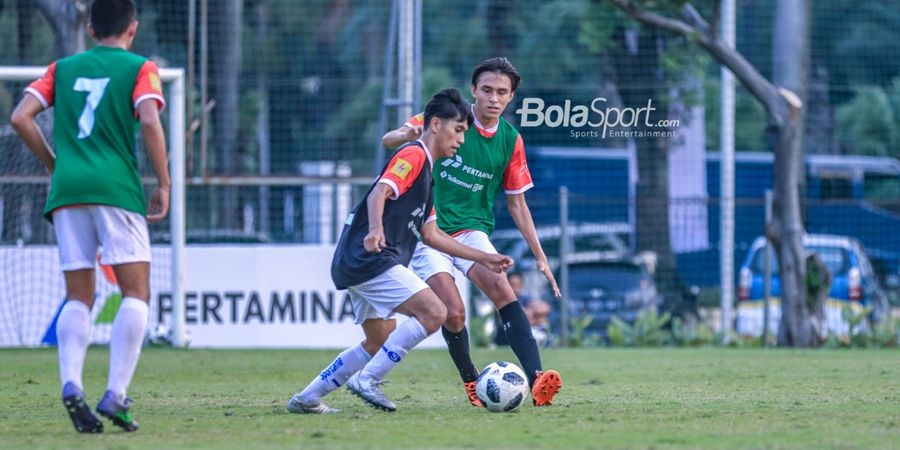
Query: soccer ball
[502, 387]
[162, 335]
[159, 335]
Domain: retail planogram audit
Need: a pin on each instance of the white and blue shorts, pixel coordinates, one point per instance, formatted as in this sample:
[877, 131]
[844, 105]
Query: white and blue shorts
[428, 262]
[380, 296]
[119, 234]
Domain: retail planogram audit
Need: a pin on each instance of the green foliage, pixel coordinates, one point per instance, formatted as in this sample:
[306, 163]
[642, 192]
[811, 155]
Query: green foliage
[879, 335]
[478, 335]
[647, 331]
[867, 123]
[750, 134]
[577, 337]
[695, 334]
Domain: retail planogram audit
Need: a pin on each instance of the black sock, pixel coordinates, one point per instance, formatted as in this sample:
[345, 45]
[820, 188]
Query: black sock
[458, 344]
[518, 332]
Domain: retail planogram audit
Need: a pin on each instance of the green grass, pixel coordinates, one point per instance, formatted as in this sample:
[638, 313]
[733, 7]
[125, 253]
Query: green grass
[699, 398]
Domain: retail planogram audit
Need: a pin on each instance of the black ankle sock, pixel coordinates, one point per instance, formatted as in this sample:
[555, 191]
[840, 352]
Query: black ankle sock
[458, 345]
[518, 332]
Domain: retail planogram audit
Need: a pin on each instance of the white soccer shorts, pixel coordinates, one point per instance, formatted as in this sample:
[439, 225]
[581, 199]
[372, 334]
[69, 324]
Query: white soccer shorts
[81, 230]
[428, 262]
[380, 296]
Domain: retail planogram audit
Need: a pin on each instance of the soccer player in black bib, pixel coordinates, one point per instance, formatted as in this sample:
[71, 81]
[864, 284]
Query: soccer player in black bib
[374, 251]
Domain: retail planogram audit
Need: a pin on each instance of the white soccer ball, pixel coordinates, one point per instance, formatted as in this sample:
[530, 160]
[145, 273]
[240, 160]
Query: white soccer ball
[162, 335]
[502, 387]
[159, 335]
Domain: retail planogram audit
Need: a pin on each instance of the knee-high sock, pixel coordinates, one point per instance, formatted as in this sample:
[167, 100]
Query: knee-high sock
[125, 344]
[458, 345]
[518, 331]
[73, 334]
[335, 374]
[395, 348]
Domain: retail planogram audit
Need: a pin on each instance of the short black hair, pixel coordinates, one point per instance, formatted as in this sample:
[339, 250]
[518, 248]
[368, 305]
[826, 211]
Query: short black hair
[500, 65]
[448, 104]
[112, 17]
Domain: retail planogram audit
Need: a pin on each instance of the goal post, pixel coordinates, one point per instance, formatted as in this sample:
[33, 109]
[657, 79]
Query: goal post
[174, 91]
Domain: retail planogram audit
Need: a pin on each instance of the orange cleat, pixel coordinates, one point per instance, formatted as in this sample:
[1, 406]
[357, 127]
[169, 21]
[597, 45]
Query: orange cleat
[473, 397]
[546, 385]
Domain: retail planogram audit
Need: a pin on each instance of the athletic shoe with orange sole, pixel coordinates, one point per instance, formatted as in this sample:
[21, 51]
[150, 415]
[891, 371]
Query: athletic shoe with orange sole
[546, 385]
[473, 397]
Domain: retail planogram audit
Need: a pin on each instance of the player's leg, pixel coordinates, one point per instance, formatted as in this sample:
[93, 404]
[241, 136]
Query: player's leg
[78, 252]
[436, 268]
[335, 374]
[126, 247]
[544, 384]
[402, 291]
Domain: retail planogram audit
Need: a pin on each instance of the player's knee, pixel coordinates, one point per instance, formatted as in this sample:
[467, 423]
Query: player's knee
[433, 316]
[500, 292]
[455, 320]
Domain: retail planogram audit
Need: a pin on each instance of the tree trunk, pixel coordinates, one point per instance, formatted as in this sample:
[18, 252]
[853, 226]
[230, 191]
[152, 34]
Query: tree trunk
[638, 79]
[790, 57]
[498, 12]
[68, 20]
[225, 67]
[25, 11]
[784, 109]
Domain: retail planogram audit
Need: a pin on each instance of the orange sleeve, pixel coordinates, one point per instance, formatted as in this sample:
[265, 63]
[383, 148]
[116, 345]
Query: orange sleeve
[415, 121]
[42, 88]
[432, 216]
[403, 170]
[517, 178]
[148, 86]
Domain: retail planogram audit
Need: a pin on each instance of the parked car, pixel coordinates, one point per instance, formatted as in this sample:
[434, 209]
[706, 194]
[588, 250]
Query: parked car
[854, 283]
[620, 288]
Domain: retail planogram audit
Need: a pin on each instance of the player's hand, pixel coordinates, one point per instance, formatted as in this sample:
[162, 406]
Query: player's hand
[497, 263]
[544, 267]
[159, 205]
[413, 133]
[374, 241]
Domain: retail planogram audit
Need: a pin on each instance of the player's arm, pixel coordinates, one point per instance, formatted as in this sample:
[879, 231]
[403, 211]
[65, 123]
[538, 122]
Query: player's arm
[410, 131]
[517, 180]
[23, 120]
[395, 138]
[155, 141]
[440, 241]
[521, 215]
[374, 241]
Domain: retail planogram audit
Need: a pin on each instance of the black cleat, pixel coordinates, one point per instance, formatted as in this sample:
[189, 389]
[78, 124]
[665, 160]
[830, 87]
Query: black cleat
[82, 418]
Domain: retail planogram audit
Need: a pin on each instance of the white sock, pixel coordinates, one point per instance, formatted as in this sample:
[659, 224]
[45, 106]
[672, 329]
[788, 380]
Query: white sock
[335, 374]
[73, 334]
[125, 344]
[397, 345]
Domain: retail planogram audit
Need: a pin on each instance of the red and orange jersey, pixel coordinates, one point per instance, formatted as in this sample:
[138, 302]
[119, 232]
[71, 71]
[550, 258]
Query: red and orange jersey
[403, 169]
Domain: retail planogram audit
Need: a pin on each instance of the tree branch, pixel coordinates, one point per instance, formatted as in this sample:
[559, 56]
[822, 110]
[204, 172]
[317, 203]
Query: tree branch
[758, 86]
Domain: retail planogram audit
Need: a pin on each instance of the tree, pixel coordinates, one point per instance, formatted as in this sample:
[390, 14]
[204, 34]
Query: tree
[68, 19]
[225, 67]
[784, 114]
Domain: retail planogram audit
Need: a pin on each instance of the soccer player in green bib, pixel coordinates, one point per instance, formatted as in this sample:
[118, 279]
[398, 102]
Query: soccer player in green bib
[465, 186]
[101, 97]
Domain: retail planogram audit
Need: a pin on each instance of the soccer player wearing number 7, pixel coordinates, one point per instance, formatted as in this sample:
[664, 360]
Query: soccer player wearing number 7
[100, 98]
[371, 258]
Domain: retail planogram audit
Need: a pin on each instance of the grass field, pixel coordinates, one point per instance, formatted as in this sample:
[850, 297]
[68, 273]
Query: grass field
[709, 398]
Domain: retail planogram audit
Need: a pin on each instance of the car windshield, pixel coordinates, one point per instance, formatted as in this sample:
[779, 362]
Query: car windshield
[612, 278]
[836, 259]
